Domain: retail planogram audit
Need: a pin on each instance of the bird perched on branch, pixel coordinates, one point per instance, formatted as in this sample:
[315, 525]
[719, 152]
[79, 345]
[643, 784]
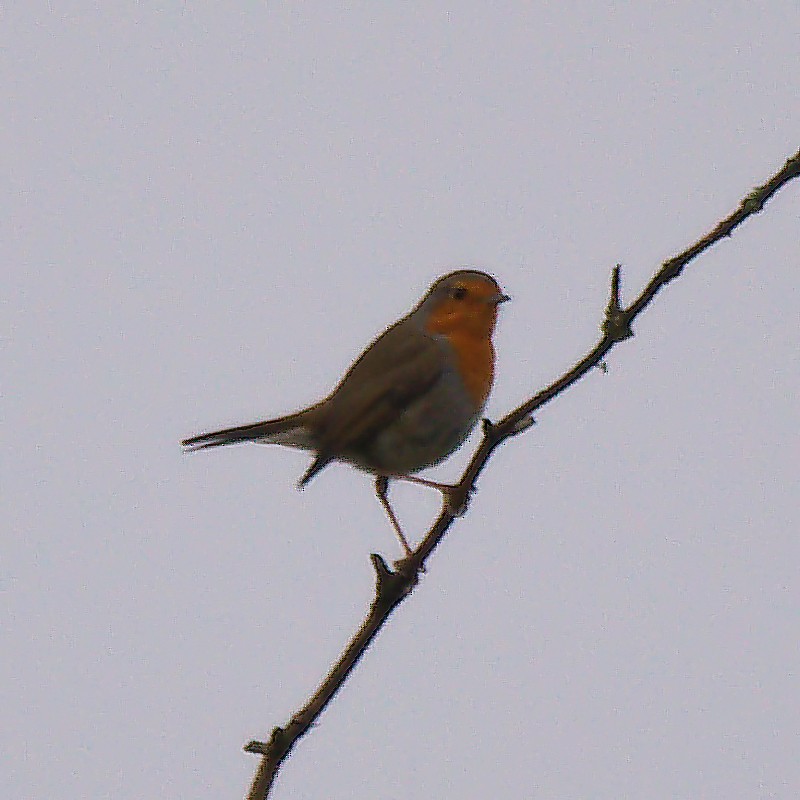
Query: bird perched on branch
[407, 402]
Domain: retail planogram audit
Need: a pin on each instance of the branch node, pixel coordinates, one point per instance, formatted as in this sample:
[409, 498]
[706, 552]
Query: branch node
[276, 741]
[456, 501]
[408, 572]
[671, 269]
[401, 580]
[617, 325]
[754, 202]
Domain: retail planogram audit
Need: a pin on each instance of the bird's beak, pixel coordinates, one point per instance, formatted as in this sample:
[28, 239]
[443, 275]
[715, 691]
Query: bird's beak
[498, 298]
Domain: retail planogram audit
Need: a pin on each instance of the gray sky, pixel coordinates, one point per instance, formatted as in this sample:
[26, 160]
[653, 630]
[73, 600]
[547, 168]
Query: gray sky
[207, 215]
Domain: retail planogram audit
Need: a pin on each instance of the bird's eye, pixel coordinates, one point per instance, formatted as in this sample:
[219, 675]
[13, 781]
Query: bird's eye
[459, 293]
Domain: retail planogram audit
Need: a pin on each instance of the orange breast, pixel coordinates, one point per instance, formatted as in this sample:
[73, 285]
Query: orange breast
[475, 360]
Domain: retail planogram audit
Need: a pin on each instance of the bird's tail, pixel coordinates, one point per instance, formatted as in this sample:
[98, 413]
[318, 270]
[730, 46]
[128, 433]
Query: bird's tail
[294, 430]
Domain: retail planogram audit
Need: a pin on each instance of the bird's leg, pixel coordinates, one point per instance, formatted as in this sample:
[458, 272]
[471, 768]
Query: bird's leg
[382, 490]
[455, 498]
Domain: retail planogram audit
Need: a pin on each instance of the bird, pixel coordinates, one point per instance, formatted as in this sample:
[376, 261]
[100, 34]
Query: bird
[408, 401]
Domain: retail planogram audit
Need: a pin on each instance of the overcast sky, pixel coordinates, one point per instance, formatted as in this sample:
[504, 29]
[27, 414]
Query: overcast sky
[207, 213]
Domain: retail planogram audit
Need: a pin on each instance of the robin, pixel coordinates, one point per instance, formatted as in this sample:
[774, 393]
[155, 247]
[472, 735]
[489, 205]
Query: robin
[407, 402]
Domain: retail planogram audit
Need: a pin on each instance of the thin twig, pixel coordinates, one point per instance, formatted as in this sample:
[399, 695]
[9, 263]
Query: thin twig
[393, 586]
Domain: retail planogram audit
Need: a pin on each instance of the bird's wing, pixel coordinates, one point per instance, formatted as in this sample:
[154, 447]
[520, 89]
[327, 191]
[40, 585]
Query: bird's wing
[402, 365]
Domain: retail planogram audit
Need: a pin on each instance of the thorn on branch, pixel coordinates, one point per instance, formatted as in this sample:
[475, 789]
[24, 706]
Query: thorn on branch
[276, 741]
[616, 325]
[382, 571]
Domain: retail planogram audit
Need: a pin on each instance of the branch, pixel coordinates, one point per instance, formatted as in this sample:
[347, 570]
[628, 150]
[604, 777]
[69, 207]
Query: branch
[393, 586]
